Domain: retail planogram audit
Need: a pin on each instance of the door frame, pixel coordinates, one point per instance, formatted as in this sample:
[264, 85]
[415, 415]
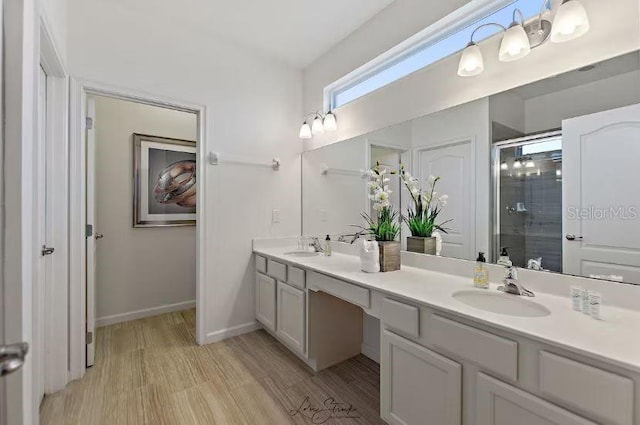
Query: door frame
[79, 90]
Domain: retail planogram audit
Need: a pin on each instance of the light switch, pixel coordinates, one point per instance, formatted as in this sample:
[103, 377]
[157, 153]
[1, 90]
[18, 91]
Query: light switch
[275, 216]
[324, 216]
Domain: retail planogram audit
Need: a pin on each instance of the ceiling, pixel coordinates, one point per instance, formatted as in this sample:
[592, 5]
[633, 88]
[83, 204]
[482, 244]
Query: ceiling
[296, 31]
[600, 71]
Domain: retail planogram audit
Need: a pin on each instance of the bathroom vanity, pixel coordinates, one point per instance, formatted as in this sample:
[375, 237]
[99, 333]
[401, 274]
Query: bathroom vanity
[449, 353]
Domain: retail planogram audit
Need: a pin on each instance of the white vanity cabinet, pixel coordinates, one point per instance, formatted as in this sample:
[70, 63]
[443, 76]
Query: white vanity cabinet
[266, 300]
[498, 403]
[417, 385]
[290, 317]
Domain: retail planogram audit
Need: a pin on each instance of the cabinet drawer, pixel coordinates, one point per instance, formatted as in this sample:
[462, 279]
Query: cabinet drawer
[493, 353]
[296, 277]
[346, 291]
[276, 270]
[401, 317]
[602, 394]
[261, 264]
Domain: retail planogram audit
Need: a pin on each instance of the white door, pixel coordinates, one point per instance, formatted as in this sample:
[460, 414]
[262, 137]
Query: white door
[92, 236]
[266, 301]
[290, 318]
[500, 404]
[44, 238]
[455, 165]
[600, 175]
[417, 385]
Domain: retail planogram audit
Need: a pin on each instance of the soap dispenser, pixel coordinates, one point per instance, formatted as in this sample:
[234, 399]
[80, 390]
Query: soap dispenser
[327, 246]
[504, 259]
[481, 272]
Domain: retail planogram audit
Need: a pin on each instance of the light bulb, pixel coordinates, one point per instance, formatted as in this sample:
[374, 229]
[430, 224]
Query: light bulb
[515, 44]
[317, 127]
[305, 131]
[330, 123]
[570, 22]
[517, 164]
[504, 165]
[558, 173]
[530, 163]
[471, 62]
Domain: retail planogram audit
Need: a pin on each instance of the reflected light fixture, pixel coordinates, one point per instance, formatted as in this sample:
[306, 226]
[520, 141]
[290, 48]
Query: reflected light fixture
[319, 125]
[504, 165]
[517, 164]
[530, 163]
[515, 43]
[570, 22]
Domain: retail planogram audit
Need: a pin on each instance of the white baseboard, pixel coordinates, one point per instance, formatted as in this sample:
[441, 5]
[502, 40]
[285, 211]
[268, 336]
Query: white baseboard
[372, 352]
[231, 332]
[147, 312]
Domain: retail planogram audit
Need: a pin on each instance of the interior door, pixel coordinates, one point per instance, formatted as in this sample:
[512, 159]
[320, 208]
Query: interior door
[600, 174]
[454, 164]
[91, 230]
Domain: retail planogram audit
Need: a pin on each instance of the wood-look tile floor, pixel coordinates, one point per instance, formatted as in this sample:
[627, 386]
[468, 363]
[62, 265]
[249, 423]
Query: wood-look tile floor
[151, 372]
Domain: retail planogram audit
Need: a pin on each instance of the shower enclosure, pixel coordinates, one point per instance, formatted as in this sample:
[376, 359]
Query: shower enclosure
[527, 175]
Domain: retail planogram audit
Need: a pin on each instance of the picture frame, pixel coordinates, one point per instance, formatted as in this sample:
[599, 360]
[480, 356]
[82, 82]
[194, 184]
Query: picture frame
[164, 181]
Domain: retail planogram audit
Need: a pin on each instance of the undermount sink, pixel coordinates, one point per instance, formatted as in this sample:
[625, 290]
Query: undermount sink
[302, 253]
[497, 302]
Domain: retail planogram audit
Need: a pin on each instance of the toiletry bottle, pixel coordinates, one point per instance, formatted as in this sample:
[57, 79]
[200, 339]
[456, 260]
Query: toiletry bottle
[504, 259]
[481, 272]
[327, 246]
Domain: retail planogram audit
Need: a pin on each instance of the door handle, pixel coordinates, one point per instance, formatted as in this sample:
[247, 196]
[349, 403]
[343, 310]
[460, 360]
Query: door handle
[46, 250]
[12, 357]
[99, 236]
[571, 237]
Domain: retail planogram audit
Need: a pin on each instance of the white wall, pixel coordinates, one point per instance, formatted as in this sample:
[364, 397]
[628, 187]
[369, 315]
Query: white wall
[547, 112]
[615, 29]
[253, 110]
[137, 268]
[54, 13]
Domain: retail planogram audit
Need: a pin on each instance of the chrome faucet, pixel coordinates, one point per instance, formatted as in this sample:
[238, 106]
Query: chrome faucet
[317, 246]
[512, 285]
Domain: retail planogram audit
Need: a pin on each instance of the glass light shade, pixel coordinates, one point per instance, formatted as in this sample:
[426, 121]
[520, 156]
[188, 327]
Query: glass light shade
[330, 123]
[515, 44]
[504, 166]
[570, 22]
[471, 62]
[305, 131]
[530, 164]
[517, 164]
[317, 127]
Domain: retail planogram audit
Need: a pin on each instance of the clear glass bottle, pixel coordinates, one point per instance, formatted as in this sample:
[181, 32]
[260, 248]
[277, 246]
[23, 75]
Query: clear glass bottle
[481, 272]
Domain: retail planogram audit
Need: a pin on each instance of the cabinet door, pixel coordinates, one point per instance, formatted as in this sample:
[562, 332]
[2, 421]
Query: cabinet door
[501, 404]
[417, 385]
[291, 316]
[266, 301]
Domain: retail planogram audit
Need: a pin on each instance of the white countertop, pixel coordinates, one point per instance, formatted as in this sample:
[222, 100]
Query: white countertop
[614, 339]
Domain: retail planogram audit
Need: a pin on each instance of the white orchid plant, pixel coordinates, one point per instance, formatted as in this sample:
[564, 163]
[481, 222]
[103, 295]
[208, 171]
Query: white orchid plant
[386, 225]
[427, 205]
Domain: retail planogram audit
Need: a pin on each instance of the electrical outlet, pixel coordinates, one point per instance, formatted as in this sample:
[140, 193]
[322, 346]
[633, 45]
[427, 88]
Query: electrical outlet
[324, 216]
[275, 216]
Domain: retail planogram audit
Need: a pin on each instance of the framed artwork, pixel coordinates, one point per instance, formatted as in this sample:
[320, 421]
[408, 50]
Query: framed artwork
[164, 174]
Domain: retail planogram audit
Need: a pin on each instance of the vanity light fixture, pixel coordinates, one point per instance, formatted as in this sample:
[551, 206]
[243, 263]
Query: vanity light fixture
[517, 164]
[319, 125]
[515, 43]
[571, 22]
[530, 163]
[504, 165]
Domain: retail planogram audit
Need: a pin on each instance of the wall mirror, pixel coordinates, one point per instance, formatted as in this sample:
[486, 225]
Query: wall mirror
[549, 171]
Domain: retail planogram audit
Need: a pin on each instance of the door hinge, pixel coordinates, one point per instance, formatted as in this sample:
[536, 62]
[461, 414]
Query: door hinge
[89, 338]
[89, 231]
[89, 123]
